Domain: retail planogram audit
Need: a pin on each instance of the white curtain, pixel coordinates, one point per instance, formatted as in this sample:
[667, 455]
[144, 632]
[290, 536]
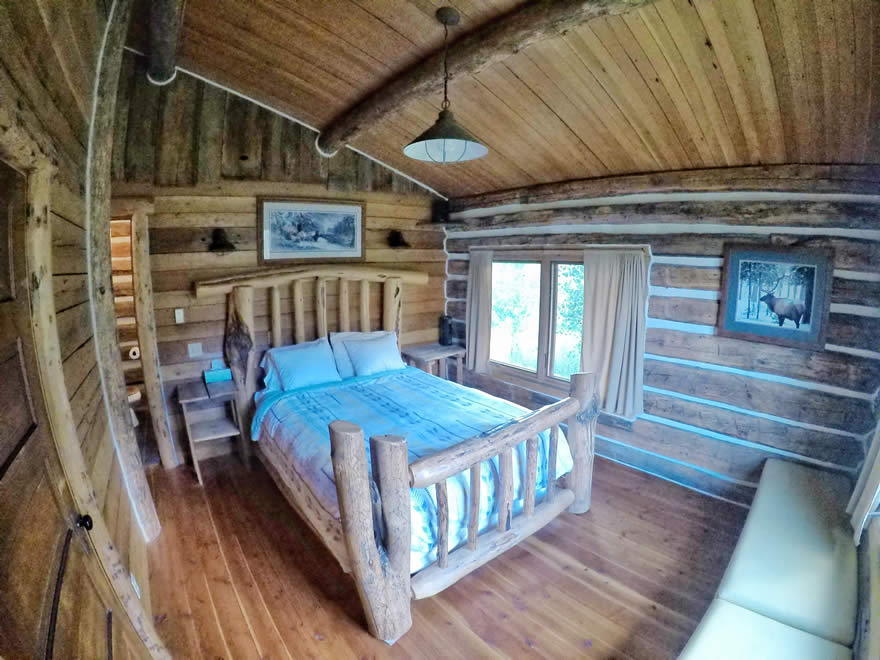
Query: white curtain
[479, 310]
[866, 495]
[615, 299]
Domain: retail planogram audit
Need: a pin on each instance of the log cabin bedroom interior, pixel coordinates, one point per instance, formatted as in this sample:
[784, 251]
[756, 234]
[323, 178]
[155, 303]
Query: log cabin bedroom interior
[428, 329]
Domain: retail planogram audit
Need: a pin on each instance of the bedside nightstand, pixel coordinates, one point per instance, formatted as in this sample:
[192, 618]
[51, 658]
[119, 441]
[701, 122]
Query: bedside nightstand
[195, 392]
[424, 355]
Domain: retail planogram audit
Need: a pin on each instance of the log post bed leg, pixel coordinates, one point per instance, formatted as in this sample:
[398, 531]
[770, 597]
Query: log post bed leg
[383, 579]
[442, 524]
[581, 437]
[531, 476]
[552, 451]
[505, 490]
[474, 515]
[392, 297]
[238, 346]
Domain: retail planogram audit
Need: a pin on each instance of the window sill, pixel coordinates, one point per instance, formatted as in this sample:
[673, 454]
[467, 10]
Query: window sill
[548, 391]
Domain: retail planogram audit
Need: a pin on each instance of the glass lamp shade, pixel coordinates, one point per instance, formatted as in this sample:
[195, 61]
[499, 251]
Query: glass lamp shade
[445, 142]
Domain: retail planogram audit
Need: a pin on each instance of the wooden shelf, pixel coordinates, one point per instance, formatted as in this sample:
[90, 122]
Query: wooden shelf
[196, 392]
[213, 429]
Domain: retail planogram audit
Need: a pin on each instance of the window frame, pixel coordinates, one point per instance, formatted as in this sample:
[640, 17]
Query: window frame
[542, 379]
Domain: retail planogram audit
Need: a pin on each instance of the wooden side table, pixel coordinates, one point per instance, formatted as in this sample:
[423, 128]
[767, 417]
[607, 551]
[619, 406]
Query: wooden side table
[424, 355]
[195, 392]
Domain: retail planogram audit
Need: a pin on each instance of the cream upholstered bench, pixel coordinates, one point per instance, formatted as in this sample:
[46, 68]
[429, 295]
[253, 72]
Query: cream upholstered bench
[790, 589]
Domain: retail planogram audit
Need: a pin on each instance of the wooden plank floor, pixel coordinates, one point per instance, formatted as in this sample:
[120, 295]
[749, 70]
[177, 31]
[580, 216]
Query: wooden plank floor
[236, 574]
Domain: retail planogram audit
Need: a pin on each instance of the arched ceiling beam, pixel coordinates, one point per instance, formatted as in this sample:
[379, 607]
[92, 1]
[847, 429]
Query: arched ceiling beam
[491, 43]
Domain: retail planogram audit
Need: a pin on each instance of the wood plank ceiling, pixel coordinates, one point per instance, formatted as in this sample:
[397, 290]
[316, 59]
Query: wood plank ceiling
[679, 84]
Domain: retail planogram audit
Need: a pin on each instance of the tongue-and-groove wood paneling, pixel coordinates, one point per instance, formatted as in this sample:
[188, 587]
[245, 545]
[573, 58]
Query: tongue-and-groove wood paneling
[717, 407]
[677, 84]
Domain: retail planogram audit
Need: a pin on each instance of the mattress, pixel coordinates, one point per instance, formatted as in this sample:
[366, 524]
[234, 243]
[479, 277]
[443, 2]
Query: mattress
[431, 413]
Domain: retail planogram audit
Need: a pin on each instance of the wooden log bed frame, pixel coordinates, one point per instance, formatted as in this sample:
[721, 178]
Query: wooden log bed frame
[372, 540]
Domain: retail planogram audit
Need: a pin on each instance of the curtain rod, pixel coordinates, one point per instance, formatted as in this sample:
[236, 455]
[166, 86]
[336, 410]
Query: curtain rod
[624, 247]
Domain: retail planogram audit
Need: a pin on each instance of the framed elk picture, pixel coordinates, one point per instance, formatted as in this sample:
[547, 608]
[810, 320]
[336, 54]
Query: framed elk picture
[298, 230]
[777, 295]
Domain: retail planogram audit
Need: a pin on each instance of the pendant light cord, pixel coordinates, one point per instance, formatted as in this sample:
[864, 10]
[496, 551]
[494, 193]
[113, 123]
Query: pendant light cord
[445, 104]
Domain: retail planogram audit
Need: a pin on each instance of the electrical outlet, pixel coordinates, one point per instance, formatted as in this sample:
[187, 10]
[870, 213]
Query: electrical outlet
[194, 350]
[178, 315]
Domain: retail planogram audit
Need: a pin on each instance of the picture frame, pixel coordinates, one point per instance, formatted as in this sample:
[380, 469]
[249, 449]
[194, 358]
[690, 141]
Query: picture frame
[294, 230]
[776, 295]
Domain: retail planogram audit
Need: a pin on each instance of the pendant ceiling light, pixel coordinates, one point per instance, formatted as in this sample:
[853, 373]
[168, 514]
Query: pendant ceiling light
[446, 141]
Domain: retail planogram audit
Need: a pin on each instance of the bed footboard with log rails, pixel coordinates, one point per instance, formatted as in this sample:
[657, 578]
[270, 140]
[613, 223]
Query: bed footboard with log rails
[376, 518]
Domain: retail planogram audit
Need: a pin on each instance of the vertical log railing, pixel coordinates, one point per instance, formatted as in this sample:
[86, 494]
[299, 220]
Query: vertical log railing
[344, 307]
[276, 317]
[580, 411]
[365, 306]
[392, 296]
[299, 312]
[321, 306]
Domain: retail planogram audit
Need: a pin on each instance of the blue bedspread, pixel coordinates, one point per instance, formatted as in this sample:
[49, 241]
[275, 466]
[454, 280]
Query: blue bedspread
[431, 413]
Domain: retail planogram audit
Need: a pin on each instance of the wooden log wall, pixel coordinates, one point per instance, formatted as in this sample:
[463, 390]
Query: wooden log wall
[180, 232]
[49, 62]
[183, 147]
[717, 407]
[188, 133]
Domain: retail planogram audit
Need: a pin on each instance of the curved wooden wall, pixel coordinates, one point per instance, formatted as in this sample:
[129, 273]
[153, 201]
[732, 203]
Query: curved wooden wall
[48, 70]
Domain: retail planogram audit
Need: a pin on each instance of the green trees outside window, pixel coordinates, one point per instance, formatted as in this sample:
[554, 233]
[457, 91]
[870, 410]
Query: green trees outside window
[516, 310]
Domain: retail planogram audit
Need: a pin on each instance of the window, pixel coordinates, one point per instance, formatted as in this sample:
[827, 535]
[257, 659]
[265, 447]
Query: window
[537, 320]
[516, 296]
[568, 319]
[526, 319]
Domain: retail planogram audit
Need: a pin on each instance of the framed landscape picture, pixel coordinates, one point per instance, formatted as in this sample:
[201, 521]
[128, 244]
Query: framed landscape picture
[776, 295]
[297, 230]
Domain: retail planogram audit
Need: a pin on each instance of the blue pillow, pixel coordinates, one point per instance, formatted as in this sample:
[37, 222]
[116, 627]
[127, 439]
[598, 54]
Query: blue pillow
[270, 374]
[340, 353]
[372, 356]
[301, 365]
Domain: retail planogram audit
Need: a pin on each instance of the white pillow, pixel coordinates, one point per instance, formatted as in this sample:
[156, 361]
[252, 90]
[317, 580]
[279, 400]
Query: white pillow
[373, 356]
[338, 341]
[301, 365]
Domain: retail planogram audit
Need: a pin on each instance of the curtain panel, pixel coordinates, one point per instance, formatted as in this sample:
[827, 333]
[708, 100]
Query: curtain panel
[479, 310]
[615, 323]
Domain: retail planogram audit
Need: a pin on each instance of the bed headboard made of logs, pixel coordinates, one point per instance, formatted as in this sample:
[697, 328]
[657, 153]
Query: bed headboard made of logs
[239, 343]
